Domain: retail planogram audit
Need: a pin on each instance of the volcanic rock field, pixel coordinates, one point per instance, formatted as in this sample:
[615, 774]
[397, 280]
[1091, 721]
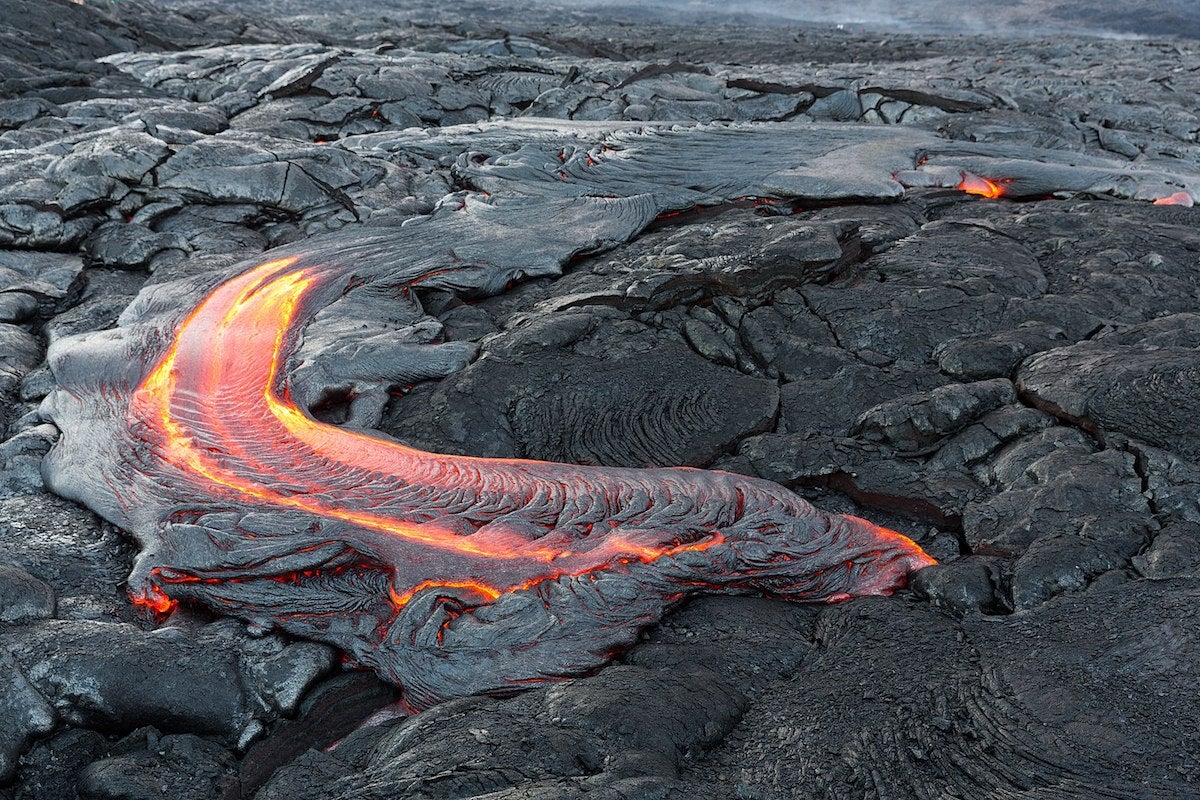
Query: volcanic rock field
[348, 357]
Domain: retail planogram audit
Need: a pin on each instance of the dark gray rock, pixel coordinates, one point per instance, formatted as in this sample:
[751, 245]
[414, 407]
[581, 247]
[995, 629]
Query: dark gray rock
[1112, 677]
[869, 473]
[37, 282]
[577, 736]
[709, 343]
[128, 245]
[180, 765]
[23, 597]
[15, 113]
[913, 422]
[558, 406]
[972, 584]
[114, 675]
[21, 353]
[1054, 564]
[17, 307]
[239, 169]
[36, 384]
[1174, 551]
[332, 710]
[1145, 391]
[26, 226]
[123, 155]
[52, 765]
[712, 631]
[858, 387]
[26, 715]
[995, 355]
[282, 672]
[840, 106]
[1048, 479]
[62, 544]
[94, 313]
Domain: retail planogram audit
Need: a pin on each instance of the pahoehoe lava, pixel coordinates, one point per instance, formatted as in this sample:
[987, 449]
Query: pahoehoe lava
[275, 285]
[448, 575]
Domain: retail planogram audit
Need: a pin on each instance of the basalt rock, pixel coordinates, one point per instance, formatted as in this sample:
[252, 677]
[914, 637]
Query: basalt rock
[1010, 693]
[569, 740]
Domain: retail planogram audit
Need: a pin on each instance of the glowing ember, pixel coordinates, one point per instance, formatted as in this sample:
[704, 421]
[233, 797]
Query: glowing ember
[154, 599]
[984, 187]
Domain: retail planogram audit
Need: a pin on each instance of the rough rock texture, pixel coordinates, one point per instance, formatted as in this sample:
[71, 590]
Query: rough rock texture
[760, 250]
[570, 740]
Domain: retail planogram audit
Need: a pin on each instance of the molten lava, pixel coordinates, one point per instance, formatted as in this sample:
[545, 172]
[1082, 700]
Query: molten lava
[412, 560]
[1177, 199]
[984, 187]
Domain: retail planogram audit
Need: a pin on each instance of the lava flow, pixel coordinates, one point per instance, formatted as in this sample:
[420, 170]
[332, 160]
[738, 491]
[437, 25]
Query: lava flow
[1177, 199]
[984, 187]
[447, 574]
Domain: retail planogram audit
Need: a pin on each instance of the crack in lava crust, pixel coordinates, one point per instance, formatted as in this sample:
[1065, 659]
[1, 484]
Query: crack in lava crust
[455, 574]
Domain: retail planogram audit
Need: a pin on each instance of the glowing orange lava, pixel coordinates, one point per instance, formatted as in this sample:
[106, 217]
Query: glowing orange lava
[232, 346]
[448, 575]
[984, 187]
[154, 599]
[1177, 199]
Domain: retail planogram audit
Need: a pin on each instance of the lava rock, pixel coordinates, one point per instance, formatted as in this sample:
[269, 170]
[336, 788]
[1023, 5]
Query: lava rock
[22, 352]
[128, 245]
[1112, 678]
[21, 459]
[972, 584]
[26, 714]
[1143, 391]
[995, 355]
[179, 765]
[114, 675]
[23, 597]
[1174, 551]
[1053, 564]
[913, 422]
[570, 738]
[559, 406]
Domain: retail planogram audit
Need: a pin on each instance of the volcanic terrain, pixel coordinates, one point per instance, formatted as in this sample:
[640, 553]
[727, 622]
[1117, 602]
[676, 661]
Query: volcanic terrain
[349, 361]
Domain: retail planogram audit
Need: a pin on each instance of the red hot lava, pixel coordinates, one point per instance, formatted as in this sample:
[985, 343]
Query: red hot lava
[550, 568]
[1177, 199]
[984, 187]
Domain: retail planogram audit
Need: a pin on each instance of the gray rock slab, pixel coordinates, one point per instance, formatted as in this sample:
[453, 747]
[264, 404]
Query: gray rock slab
[26, 714]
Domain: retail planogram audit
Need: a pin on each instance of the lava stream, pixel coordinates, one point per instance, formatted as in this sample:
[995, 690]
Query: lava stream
[462, 533]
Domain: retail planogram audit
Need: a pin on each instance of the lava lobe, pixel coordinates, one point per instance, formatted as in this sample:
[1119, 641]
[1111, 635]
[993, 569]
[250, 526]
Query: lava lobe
[448, 575]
